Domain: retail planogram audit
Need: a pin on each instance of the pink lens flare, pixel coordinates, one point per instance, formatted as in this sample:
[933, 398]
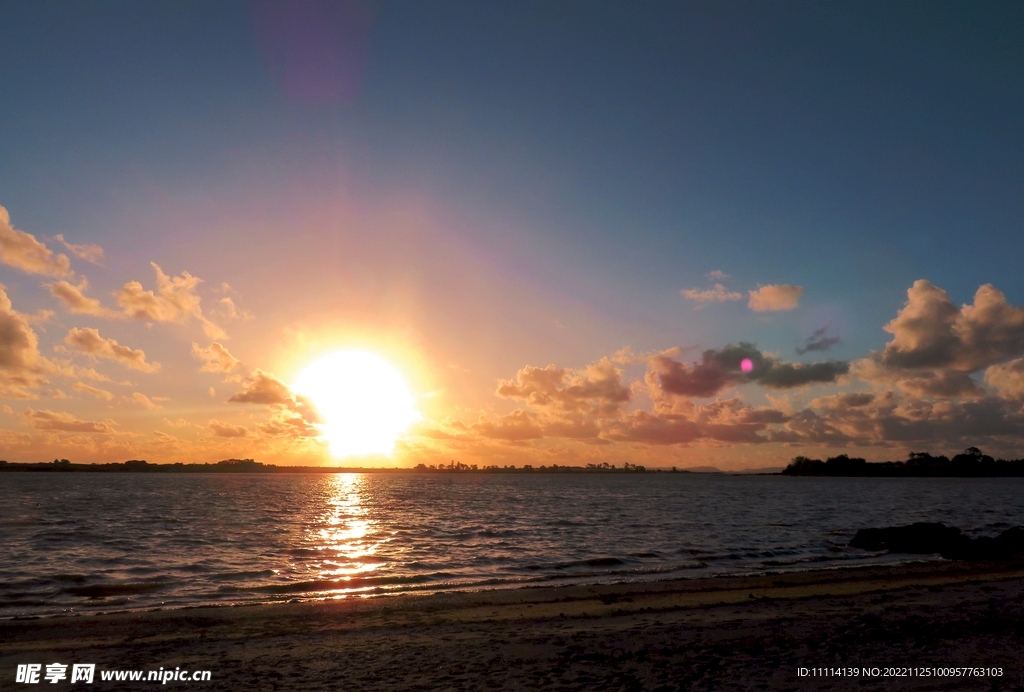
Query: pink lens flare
[746, 365]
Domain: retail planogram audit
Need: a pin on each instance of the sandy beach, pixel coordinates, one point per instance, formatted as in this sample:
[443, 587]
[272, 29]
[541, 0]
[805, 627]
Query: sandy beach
[736, 633]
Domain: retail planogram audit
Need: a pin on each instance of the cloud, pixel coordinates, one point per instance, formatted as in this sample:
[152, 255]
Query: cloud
[295, 415]
[775, 297]
[286, 423]
[1007, 379]
[936, 346]
[931, 332]
[718, 294]
[88, 252]
[231, 311]
[67, 369]
[222, 429]
[145, 401]
[92, 391]
[217, 358]
[63, 422]
[75, 301]
[941, 383]
[818, 341]
[263, 388]
[722, 368]
[89, 341]
[40, 317]
[175, 300]
[716, 275]
[889, 418]
[597, 389]
[514, 427]
[22, 368]
[728, 421]
[180, 423]
[22, 251]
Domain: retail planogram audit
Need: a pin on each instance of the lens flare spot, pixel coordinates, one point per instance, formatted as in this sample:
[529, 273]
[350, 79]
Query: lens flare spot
[746, 365]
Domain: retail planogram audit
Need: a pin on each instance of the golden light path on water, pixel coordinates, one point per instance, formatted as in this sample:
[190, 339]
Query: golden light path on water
[347, 537]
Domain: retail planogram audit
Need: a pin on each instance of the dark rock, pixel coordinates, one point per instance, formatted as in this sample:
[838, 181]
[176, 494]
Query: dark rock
[919, 538]
[927, 538]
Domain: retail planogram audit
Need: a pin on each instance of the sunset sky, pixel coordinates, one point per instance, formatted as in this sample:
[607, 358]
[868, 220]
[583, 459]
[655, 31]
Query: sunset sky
[566, 225]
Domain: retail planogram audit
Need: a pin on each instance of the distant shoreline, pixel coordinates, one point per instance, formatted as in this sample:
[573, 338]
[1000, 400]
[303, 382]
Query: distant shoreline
[251, 466]
[971, 464]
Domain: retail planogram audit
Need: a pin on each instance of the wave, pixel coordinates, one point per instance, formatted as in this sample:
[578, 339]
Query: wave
[104, 590]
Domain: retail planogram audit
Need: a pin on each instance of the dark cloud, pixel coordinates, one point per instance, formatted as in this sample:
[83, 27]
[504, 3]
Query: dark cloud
[719, 369]
[818, 341]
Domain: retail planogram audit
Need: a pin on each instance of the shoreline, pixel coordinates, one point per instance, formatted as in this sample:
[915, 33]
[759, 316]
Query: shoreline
[945, 613]
[560, 583]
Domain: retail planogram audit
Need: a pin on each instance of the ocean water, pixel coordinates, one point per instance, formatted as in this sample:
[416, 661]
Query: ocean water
[103, 542]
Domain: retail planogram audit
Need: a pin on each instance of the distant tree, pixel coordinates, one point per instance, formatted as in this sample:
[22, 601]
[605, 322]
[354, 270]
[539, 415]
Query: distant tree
[803, 466]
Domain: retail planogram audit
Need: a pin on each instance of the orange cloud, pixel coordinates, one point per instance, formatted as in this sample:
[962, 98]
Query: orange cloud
[92, 391]
[718, 294]
[293, 416]
[263, 388]
[22, 368]
[88, 252]
[22, 251]
[1007, 379]
[145, 401]
[515, 427]
[775, 297]
[175, 300]
[74, 299]
[217, 358]
[63, 422]
[89, 341]
[596, 389]
[222, 429]
[931, 332]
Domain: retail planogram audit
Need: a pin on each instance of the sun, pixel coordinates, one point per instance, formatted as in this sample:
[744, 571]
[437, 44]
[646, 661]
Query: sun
[363, 401]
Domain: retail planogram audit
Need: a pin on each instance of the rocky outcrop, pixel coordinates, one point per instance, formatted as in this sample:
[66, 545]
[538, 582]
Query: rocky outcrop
[928, 538]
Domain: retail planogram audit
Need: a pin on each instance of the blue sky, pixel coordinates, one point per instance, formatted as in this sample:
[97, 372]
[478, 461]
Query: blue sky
[562, 171]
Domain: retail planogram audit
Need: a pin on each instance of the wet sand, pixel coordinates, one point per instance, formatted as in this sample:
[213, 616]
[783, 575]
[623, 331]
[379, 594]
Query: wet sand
[735, 633]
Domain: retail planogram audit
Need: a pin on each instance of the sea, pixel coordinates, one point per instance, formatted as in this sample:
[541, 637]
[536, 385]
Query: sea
[80, 542]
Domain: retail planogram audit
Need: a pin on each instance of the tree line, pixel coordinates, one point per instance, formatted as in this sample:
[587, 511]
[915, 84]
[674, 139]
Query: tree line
[972, 462]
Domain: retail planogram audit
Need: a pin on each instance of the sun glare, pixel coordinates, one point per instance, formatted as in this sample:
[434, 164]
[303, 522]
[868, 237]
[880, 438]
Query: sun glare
[363, 400]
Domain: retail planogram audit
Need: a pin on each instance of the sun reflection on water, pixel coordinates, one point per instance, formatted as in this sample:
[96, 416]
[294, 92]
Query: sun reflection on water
[345, 535]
